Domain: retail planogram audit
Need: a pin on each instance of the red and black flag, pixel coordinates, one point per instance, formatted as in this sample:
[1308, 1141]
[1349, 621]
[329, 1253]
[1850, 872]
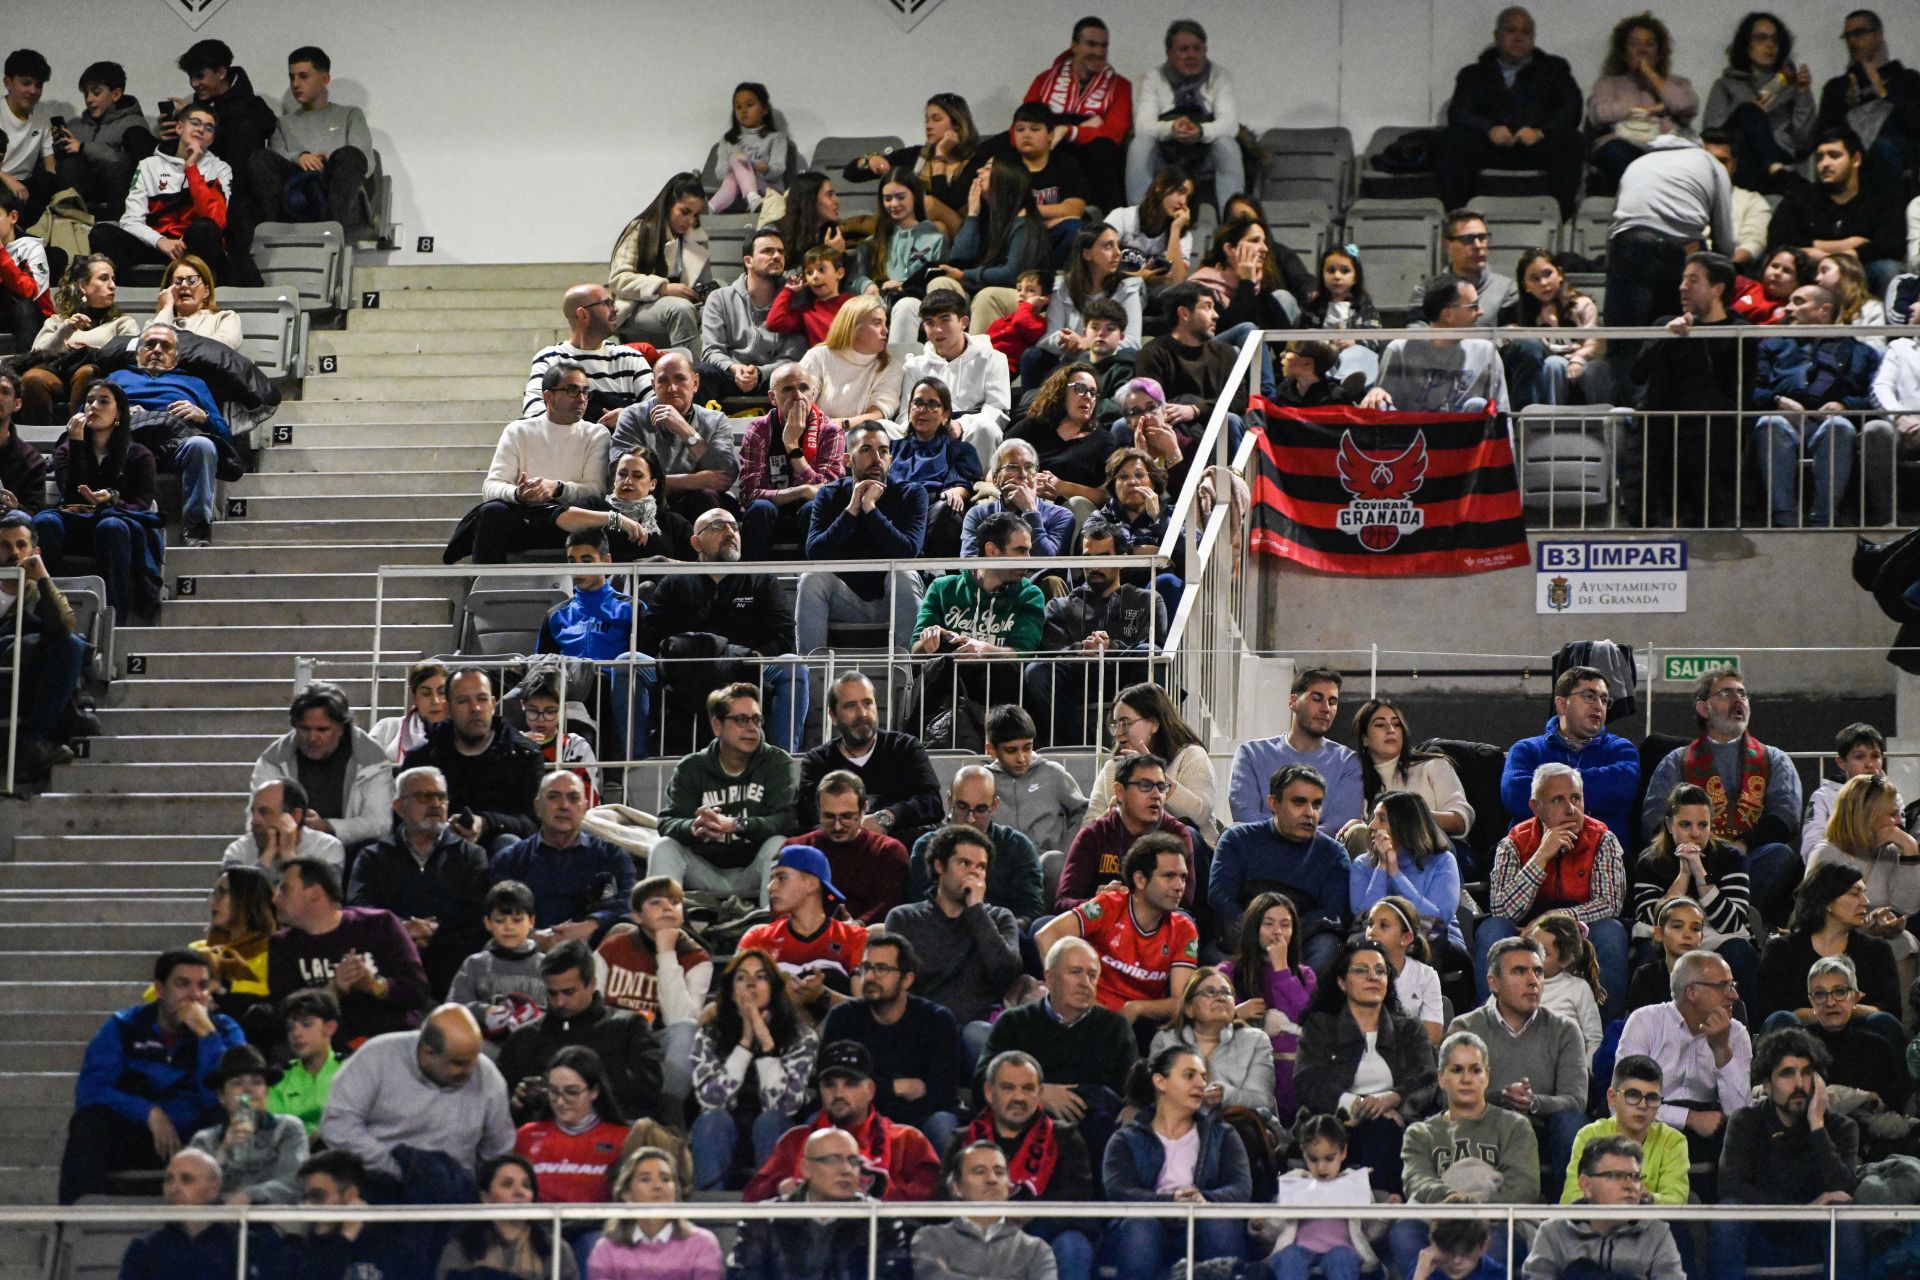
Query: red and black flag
[1363, 491]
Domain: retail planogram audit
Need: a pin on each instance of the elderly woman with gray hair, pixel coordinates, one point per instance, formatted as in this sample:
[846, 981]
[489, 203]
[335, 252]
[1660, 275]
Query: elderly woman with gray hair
[1560, 859]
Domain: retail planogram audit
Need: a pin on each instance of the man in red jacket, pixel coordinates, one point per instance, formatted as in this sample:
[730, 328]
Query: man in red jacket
[1081, 83]
[844, 1075]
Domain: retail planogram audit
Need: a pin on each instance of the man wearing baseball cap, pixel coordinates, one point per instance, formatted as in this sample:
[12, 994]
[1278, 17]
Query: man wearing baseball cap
[899, 1153]
[819, 951]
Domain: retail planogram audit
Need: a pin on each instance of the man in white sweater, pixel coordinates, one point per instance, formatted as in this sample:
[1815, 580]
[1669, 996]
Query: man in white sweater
[974, 372]
[542, 466]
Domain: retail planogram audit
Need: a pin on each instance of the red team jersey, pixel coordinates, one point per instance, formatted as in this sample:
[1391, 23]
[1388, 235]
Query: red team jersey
[1135, 965]
[833, 952]
[573, 1168]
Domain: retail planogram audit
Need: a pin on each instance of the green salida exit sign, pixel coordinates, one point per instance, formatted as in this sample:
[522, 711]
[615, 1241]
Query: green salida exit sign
[1684, 668]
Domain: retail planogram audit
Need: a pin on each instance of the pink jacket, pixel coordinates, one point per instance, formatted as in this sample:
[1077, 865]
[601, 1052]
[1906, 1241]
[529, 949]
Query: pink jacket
[1614, 98]
[694, 1256]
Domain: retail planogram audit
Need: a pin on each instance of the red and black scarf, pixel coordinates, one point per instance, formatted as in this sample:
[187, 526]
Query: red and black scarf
[1033, 1162]
[1736, 815]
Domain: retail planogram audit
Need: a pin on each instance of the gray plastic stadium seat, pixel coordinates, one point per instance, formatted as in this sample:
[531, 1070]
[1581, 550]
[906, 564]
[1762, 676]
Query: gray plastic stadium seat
[311, 257]
[1308, 165]
[1566, 462]
[274, 331]
[1591, 222]
[1518, 223]
[504, 615]
[1399, 240]
[1302, 226]
[1376, 184]
[1593, 284]
[727, 242]
[831, 155]
[93, 620]
[93, 1252]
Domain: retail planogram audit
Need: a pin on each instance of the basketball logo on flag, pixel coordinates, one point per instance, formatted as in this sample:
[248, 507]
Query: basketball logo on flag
[1382, 490]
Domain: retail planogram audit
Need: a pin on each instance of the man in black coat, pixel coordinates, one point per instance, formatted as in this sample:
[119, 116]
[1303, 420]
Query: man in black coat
[578, 1014]
[902, 791]
[1513, 108]
[492, 769]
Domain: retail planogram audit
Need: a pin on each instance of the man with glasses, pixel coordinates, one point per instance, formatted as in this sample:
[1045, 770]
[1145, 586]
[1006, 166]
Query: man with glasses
[913, 1041]
[983, 620]
[1876, 96]
[580, 882]
[693, 442]
[1866, 1048]
[787, 456]
[617, 375]
[177, 417]
[1148, 946]
[1013, 872]
[1703, 1053]
[832, 1247]
[869, 866]
[1290, 852]
[542, 466]
[1138, 808]
[729, 805]
[1442, 375]
[1639, 1248]
[968, 949]
[848, 1086]
[577, 1013]
[180, 204]
[1469, 246]
[1514, 107]
[862, 516]
[1754, 788]
[434, 880]
[1576, 734]
[1792, 1147]
[1016, 467]
[1633, 1098]
[1107, 614]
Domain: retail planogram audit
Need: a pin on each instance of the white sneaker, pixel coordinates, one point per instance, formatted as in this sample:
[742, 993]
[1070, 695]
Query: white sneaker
[754, 200]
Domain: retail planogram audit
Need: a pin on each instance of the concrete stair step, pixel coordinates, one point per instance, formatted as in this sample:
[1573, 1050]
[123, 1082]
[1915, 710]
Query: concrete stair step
[236, 556]
[357, 344]
[468, 363]
[553, 276]
[368, 484]
[488, 388]
[177, 748]
[76, 907]
[392, 459]
[41, 1055]
[421, 502]
[455, 319]
[39, 1149]
[196, 673]
[196, 876]
[55, 1027]
[466, 298]
[147, 940]
[199, 810]
[88, 849]
[400, 411]
[377, 532]
[217, 721]
[477, 429]
[331, 586]
[44, 1088]
[341, 638]
[76, 966]
[38, 1120]
[269, 616]
[179, 697]
[29, 1185]
[229, 776]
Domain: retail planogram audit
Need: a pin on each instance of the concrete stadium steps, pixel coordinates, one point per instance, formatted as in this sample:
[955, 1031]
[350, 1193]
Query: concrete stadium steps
[375, 466]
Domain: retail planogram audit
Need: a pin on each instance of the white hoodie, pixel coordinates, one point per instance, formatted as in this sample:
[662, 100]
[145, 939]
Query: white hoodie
[978, 380]
[165, 176]
[1896, 387]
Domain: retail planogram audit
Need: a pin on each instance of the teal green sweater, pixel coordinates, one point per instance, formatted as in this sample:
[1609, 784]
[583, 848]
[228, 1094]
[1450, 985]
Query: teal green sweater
[1010, 616]
[762, 794]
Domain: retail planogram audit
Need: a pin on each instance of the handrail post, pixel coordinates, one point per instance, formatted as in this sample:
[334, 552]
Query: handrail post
[19, 576]
[379, 617]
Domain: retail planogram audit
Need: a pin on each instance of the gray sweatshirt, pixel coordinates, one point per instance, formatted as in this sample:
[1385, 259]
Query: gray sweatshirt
[1549, 1052]
[961, 1249]
[733, 331]
[1440, 377]
[381, 1099]
[265, 1168]
[1045, 802]
[1675, 190]
[325, 131]
[1640, 1249]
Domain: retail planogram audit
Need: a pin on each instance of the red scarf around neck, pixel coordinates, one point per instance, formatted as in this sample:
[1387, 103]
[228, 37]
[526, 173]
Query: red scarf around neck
[1735, 815]
[1034, 1161]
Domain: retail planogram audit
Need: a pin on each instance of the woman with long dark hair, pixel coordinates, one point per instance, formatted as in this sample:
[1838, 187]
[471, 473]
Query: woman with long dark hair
[1255, 280]
[1686, 860]
[426, 706]
[1403, 851]
[1764, 102]
[660, 271]
[1364, 1060]
[106, 501]
[1272, 986]
[1179, 1150]
[933, 457]
[1093, 274]
[1831, 917]
[810, 217]
[905, 242]
[1550, 370]
[1384, 742]
[580, 1140]
[1145, 722]
[1001, 238]
[240, 920]
[521, 1248]
[1160, 226]
[945, 162]
[752, 1029]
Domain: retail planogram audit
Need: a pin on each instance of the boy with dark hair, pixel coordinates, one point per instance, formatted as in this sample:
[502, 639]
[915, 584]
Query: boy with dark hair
[1148, 947]
[95, 151]
[26, 134]
[181, 202]
[317, 163]
[312, 1019]
[1859, 748]
[1457, 1249]
[501, 985]
[1059, 188]
[246, 121]
[1037, 796]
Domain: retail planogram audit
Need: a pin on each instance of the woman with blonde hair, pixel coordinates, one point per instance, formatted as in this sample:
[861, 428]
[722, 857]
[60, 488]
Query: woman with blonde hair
[655, 1247]
[187, 302]
[1865, 833]
[858, 381]
[1841, 275]
[85, 319]
[1239, 1058]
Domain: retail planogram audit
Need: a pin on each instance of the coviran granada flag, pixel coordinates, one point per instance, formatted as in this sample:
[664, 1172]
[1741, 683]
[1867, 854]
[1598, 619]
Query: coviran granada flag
[1360, 491]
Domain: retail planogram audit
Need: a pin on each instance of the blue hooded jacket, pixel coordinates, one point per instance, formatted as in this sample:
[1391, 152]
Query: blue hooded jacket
[1609, 773]
[130, 1069]
[593, 624]
[1135, 1156]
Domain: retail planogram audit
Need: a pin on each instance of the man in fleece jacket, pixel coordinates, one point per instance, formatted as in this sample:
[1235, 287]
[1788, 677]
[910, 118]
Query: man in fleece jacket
[1577, 735]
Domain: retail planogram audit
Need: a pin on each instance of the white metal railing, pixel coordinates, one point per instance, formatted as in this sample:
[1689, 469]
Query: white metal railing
[1504, 1220]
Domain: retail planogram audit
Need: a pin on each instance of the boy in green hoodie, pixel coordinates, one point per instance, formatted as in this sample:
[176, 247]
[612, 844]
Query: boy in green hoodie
[984, 611]
[729, 805]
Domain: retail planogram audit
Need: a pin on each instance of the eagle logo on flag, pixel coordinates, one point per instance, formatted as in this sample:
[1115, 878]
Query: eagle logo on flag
[1382, 489]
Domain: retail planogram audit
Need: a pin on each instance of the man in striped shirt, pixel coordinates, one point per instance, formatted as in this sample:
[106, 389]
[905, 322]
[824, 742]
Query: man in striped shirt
[617, 375]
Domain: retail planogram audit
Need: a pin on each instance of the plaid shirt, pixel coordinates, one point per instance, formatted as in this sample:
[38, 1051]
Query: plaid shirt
[825, 457]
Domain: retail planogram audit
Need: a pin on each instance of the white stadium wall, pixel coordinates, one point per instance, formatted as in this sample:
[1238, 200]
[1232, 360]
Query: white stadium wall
[530, 132]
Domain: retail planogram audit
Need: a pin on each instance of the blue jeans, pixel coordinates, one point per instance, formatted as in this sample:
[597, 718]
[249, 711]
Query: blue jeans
[110, 538]
[1609, 938]
[939, 1129]
[51, 664]
[1319, 950]
[714, 1136]
[630, 709]
[1144, 1248]
[1072, 1252]
[824, 597]
[1829, 443]
[1146, 158]
[676, 1060]
[194, 458]
[1296, 1263]
[1556, 1133]
[1533, 376]
[762, 524]
[1784, 1243]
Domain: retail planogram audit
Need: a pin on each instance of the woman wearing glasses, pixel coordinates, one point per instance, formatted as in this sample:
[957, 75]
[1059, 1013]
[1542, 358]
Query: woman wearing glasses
[939, 461]
[187, 302]
[1238, 1058]
[580, 1141]
[1832, 916]
[1365, 1061]
[1071, 446]
[1145, 722]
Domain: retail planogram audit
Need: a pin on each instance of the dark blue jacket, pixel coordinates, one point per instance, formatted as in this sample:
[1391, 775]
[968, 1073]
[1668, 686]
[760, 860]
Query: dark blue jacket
[894, 529]
[130, 1070]
[936, 464]
[1609, 773]
[1544, 95]
[1816, 371]
[589, 880]
[1135, 1157]
[594, 624]
[171, 1254]
[1315, 875]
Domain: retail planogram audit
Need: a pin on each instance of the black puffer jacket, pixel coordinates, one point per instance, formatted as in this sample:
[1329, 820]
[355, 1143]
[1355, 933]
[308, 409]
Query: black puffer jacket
[498, 784]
